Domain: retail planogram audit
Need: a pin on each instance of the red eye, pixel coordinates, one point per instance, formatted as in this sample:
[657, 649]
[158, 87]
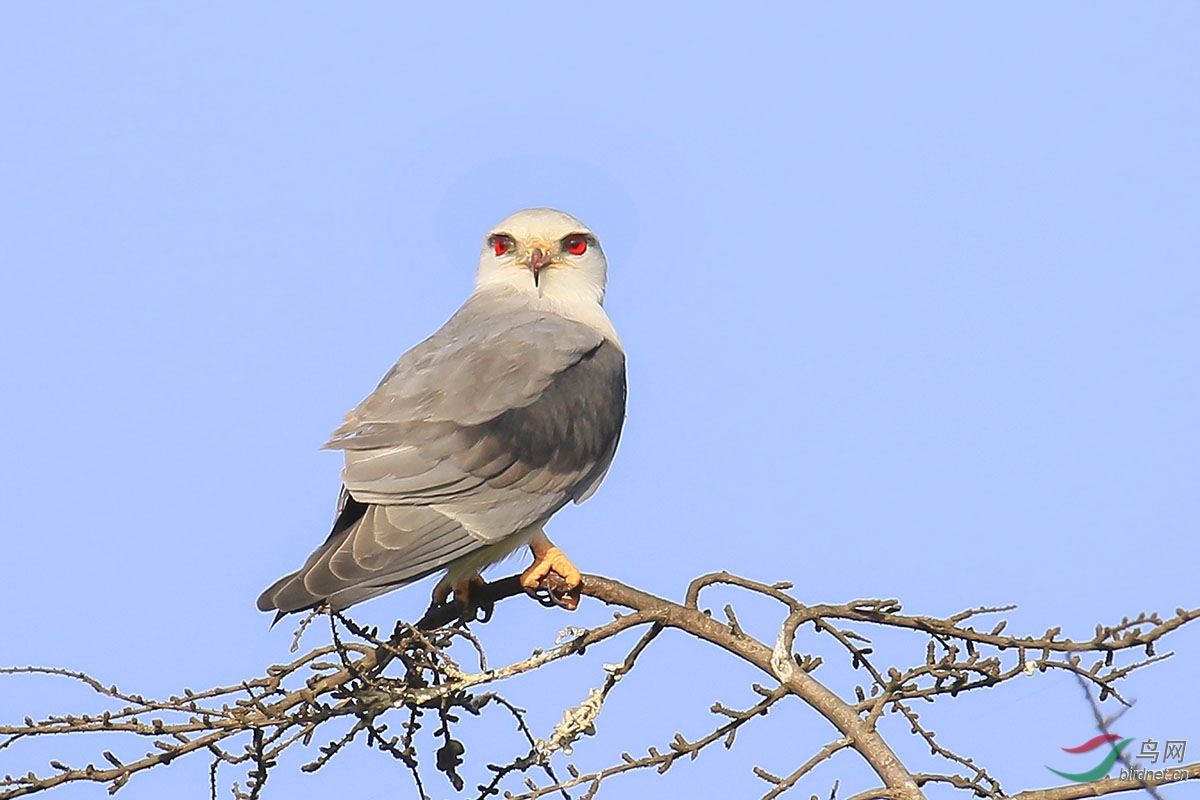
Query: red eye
[576, 245]
[501, 244]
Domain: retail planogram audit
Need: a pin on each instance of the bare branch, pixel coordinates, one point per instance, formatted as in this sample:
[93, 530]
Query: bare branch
[347, 690]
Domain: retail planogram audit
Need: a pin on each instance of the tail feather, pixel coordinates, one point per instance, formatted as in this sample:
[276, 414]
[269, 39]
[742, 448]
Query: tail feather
[371, 550]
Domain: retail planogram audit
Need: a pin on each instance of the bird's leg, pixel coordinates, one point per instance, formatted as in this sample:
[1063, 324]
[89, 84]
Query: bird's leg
[552, 573]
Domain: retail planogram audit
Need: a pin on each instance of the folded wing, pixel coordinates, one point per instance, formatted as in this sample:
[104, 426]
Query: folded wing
[481, 431]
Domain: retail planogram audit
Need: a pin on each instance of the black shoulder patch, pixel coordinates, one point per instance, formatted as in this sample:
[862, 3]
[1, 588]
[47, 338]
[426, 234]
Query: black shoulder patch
[574, 422]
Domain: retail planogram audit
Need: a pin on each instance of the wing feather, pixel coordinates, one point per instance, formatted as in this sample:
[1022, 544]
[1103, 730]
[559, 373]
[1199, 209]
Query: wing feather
[388, 546]
[501, 413]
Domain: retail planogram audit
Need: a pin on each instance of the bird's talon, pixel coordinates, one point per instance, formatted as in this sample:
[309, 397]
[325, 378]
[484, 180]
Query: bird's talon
[560, 592]
[553, 590]
[462, 596]
[552, 579]
[542, 596]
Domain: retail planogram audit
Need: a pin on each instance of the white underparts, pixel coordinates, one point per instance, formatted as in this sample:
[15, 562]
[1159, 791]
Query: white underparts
[474, 563]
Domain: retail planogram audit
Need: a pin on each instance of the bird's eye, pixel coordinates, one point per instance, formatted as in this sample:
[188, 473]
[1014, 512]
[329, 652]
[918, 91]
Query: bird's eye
[501, 244]
[576, 245]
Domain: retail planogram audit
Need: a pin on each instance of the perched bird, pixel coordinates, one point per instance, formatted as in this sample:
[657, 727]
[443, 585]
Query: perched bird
[480, 433]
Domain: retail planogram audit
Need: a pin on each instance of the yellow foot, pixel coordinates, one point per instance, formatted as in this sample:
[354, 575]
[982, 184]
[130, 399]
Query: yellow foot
[552, 573]
[462, 591]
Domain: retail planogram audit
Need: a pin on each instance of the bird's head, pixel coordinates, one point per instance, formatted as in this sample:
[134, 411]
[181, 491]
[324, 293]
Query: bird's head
[544, 252]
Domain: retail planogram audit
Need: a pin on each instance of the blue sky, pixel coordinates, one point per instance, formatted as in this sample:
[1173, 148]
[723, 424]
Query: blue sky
[908, 292]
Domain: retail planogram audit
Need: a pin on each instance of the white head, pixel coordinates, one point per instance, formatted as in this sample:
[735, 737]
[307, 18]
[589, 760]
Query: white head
[545, 253]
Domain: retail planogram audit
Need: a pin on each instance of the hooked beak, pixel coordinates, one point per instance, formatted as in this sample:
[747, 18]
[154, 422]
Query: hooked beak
[536, 260]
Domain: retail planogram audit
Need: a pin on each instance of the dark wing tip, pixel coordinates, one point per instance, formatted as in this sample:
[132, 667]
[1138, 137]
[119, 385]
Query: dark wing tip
[289, 595]
[275, 599]
[266, 600]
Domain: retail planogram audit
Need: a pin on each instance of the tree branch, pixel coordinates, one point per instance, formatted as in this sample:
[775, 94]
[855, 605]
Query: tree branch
[360, 678]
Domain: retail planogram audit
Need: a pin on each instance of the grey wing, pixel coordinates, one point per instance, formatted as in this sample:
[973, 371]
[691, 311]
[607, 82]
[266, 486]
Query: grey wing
[486, 428]
[372, 550]
[494, 421]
